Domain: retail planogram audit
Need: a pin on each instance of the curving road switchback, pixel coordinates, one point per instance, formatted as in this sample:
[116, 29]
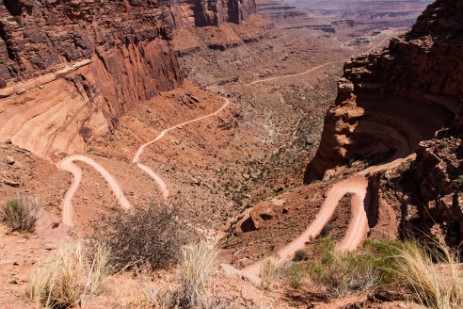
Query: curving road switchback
[67, 164]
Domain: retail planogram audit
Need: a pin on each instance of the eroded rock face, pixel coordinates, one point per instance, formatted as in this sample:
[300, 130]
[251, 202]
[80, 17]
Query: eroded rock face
[401, 96]
[38, 36]
[208, 13]
[70, 68]
[438, 172]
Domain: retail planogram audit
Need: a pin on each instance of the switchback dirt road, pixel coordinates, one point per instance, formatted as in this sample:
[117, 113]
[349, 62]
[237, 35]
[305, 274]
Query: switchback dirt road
[358, 226]
[67, 164]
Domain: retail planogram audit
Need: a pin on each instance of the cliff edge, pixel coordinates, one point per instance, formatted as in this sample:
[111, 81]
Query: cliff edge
[390, 101]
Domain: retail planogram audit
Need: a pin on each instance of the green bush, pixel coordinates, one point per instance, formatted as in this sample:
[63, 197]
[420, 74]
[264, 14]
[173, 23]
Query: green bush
[346, 273]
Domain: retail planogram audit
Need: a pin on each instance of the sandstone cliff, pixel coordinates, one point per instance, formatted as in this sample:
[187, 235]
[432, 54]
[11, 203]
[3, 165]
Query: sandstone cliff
[201, 13]
[390, 101]
[70, 68]
[110, 54]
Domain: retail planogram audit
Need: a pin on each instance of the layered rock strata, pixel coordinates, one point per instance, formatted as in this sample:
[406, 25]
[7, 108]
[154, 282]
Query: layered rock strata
[390, 101]
[70, 68]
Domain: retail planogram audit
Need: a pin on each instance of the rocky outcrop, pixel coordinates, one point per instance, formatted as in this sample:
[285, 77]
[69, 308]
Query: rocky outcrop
[278, 10]
[390, 101]
[39, 36]
[291, 17]
[438, 173]
[208, 13]
[364, 16]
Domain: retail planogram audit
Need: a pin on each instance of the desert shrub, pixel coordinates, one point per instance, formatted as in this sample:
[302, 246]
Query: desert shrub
[296, 273]
[20, 214]
[300, 255]
[150, 236]
[71, 274]
[342, 274]
[434, 275]
[349, 274]
[196, 267]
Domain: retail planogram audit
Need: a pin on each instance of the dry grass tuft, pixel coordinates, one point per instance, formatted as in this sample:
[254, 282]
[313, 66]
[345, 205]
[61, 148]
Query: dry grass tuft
[196, 267]
[20, 214]
[70, 275]
[349, 275]
[159, 295]
[436, 285]
[268, 274]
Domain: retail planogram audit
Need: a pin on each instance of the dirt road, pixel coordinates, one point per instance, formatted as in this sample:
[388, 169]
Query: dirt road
[147, 169]
[67, 164]
[355, 234]
[388, 36]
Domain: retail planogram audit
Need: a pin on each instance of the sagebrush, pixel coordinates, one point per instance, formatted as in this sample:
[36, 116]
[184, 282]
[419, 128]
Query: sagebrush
[341, 274]
[150, 236]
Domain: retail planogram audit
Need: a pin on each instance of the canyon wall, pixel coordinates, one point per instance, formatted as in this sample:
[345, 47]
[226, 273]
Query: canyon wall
[390, 101]
[70, 68]
[202, 13]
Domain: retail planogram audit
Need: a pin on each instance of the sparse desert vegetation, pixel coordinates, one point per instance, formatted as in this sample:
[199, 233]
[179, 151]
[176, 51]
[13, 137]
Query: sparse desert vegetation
[268, 275]
[189, 287]
[342, 274]
[435, 275]
[182, 151]
[196, 267]
[75, 271]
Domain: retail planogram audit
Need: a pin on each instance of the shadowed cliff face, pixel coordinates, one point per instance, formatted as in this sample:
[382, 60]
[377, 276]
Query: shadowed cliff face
[388, 102]
[38, 36]
[70, 68]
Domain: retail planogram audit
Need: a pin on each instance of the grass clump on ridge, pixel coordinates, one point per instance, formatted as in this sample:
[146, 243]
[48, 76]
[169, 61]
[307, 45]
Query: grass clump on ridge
[74, 272]
[196, 267]
[192, 288]
[435, 276]
[268, 274]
